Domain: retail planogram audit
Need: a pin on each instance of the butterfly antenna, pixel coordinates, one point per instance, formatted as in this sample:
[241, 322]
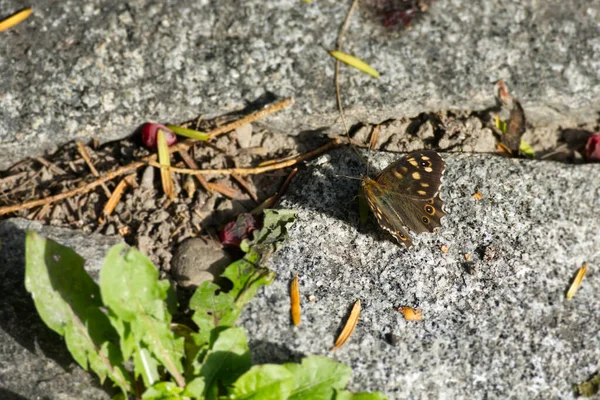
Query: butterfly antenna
[338, 96]
[346, 176]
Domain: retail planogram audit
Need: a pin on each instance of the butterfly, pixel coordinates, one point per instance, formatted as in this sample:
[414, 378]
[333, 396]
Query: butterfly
[406, 194]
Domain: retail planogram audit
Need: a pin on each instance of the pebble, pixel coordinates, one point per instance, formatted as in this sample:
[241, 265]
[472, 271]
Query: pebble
[197, 260]
[148, 178]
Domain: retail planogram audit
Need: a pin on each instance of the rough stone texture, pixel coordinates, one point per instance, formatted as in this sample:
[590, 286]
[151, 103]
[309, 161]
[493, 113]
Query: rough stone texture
[101, 68]
[34, 362]
[495, 327]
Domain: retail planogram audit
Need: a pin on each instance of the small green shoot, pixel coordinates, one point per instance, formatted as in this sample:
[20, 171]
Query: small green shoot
[189, 133]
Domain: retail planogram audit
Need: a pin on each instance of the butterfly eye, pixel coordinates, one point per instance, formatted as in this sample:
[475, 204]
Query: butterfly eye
[425, 163]
[425, 220]
[402, 236]
[430, 210]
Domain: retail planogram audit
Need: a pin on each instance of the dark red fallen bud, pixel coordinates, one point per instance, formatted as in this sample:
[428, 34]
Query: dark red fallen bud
[592, 148]
[149, 132]
[235, 231]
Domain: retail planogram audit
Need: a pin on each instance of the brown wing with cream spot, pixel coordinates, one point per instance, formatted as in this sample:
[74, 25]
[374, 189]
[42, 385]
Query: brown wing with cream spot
[416, 175]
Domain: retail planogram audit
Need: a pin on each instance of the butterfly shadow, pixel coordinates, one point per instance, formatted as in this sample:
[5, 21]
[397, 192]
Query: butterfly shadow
[330, 186]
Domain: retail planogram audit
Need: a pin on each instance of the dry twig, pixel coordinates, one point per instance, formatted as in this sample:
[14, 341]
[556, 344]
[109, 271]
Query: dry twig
[251, 171]
[86, 157]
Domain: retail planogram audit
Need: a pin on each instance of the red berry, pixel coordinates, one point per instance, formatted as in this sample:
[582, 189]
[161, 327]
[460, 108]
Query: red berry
[149, 132]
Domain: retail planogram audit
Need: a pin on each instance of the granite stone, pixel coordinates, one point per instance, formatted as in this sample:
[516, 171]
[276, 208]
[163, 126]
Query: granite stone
[99, 69]
[34, 361]
[497, 326]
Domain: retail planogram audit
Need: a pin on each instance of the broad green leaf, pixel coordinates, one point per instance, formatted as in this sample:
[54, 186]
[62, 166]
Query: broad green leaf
[228, 358]
[354, 62]
[69, 302]
[195, 388]
[146, 366]
[163, 391]
[213, 307]
[318, 377]
[346, 395]
[130, 287]
[264, 382]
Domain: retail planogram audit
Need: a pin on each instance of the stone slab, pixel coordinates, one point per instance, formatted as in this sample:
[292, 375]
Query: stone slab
[99, 69]
[495, 327]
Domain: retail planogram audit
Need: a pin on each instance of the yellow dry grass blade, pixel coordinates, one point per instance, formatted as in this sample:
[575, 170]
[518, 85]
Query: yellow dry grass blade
[349, 327]
[164, 159]
[354, 62]
[14, 19]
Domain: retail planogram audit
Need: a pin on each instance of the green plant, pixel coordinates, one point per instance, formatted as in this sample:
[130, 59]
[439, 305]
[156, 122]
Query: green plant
[122, 328]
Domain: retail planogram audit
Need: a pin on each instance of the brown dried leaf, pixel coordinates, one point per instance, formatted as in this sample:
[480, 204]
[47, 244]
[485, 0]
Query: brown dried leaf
[478, 195]
[577, 281]
[411, 314]
[444, 248]
[349, 327]
[295, 300]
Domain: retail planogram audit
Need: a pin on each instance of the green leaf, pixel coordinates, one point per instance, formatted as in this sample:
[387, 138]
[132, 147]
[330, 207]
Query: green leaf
[214, 308]
[264, 382]
[69, 302]
[130, 287]
[195, 388]
[276, 224]
[318, 377]
[228, 358]
[526, 149]
[146, 366]
[163, 391]
[346, 395]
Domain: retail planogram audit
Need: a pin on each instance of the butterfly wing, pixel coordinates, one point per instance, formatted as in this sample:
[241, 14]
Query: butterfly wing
[387, 217]
[416, 175]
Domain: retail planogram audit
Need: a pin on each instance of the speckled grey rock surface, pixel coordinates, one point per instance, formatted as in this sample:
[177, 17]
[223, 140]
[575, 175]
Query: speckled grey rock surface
[496, 327]
[34, 362]
[76, 70]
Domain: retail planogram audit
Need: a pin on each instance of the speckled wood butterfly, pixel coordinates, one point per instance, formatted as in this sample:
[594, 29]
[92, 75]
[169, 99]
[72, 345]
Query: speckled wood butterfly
[406, 194]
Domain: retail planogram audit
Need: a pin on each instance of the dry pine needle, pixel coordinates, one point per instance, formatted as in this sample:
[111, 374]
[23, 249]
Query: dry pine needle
[295, 300]
[577, 281]
[15, 19]
[349, 327]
